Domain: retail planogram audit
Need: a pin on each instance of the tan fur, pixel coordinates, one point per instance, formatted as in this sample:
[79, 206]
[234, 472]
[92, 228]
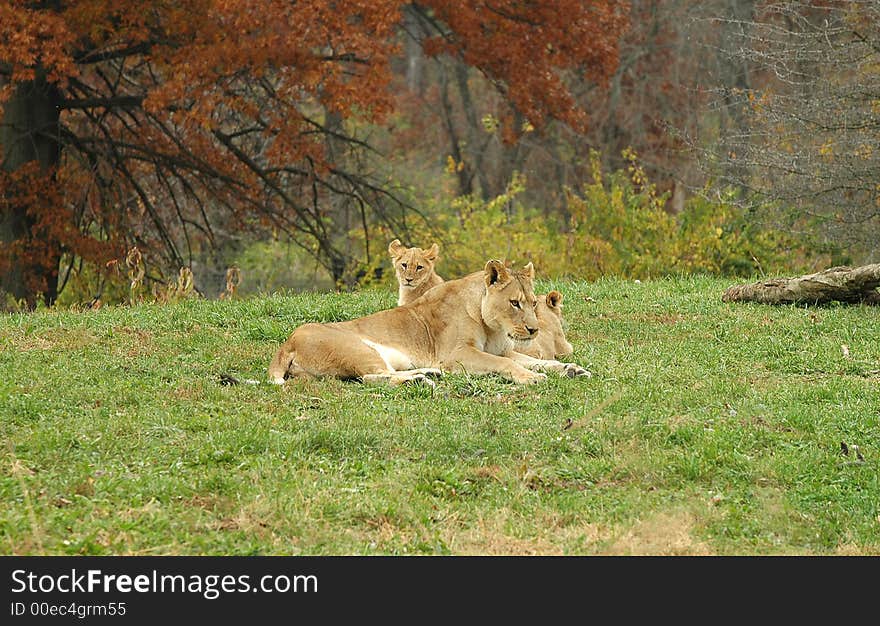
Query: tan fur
[550, 342]
[468, 324]
[414, 269]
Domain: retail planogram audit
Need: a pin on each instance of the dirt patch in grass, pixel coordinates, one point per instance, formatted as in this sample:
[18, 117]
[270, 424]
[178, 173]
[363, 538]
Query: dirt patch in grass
[383, 528]
[149, 509]
[668, 319]
[660, 534]
[71, 339]
[553, 535]
[489, 539]
[30, 343]
[848, 549]
[488, 472]
[187, 391]
[134, 342]
[125, 340]
[679, 420]
[208, 502]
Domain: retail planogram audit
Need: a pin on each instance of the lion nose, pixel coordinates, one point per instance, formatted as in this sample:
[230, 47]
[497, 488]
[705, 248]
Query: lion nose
[532, 331]
[409, 280]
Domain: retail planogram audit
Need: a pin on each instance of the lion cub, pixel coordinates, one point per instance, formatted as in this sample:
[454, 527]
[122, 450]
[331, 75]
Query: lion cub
[550, 342]
[415, 270]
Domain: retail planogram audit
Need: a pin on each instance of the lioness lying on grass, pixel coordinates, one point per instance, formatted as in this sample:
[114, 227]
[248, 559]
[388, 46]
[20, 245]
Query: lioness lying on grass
[415, 273]
[472, 324]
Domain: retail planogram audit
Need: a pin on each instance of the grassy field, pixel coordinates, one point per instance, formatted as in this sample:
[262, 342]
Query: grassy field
[707, 428]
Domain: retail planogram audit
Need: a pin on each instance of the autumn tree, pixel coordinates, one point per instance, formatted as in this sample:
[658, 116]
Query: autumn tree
[652, 97]
[809, 116]
[144, 123]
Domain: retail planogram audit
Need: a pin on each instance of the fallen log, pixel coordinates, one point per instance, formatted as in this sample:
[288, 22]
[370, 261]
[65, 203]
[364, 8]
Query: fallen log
[854, 285]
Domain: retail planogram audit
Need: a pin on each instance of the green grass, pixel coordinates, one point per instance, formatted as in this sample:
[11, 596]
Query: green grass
[707, 428]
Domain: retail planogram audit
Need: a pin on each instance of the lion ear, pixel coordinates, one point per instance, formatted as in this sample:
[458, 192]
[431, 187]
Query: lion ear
[496, 273]
[529, 271]
[432, 253]
[395, 248]
[554, 299]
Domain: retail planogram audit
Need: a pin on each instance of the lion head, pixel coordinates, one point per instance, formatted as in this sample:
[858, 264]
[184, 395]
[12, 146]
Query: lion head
[509, 302]
[550, 343]
[414, 267]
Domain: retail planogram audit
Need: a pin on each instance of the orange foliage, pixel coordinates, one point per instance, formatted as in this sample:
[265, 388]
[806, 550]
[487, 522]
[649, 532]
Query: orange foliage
[524, 46]
[171, 106]
[52, 227]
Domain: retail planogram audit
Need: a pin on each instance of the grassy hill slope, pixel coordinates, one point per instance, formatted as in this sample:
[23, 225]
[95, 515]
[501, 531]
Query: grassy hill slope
[707, 428]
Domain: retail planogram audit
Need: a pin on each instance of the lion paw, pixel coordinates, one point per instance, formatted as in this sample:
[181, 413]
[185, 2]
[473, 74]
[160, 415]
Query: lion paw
[419, 379]
[573, 370]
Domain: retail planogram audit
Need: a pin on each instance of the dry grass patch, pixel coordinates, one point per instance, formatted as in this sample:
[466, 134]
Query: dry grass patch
[667, 533]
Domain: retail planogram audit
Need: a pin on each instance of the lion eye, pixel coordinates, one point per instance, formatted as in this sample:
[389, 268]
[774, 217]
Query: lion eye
[403, 265]
[535, 304]
[514, 304]
[419, 268]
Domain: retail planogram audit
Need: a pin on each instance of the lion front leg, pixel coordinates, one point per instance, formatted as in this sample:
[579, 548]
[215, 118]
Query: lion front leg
[569, 370]
[476, 361]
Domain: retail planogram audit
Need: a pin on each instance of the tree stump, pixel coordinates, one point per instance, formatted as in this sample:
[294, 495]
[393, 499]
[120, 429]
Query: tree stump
[854, 285]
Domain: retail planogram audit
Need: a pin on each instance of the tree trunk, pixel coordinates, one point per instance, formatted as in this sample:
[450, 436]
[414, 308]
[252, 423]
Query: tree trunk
[462, 168]
[736, 78]
[414, 53]
[477, 140]
[29, 132]
[843, 284]
[341, 218]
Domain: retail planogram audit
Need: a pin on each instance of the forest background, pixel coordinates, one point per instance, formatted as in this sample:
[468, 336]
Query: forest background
[151, 149]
